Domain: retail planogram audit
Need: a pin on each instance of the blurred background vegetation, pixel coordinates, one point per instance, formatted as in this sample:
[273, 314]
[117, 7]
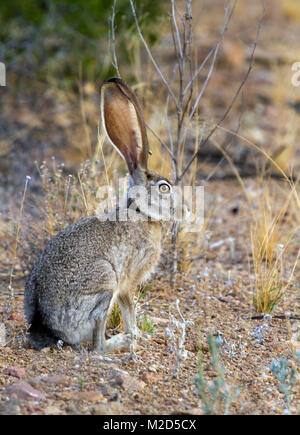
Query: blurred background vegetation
[47, 40]
[57, 52]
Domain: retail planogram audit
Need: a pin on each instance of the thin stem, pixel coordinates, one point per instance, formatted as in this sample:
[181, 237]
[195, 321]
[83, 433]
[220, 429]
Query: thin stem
[150, 54]
[216, 49]
[160, 141]
[10, 287]
[235, 95]
[113, 40]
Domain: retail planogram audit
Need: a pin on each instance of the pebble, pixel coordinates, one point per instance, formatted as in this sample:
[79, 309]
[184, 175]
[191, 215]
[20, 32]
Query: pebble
[16, 317]
[10, 407]
[18, 372]
[90, 396]
[107, 409]
[23, 390]
[55, 379]
[160, 321]
[129, 383]
[52, 410]
[2, 334]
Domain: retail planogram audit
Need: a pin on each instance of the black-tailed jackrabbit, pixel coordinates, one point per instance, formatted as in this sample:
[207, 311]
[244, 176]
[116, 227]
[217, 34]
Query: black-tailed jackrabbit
[94, 262]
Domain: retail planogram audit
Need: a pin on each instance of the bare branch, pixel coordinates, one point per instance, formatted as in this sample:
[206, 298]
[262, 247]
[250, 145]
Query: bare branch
[226, 148]
[174, 160]
[113, 40]
[199, 70]
[216, 49]
[176, 29]
[160, 141]
[201, 92]
[235, 95]
[150, 54]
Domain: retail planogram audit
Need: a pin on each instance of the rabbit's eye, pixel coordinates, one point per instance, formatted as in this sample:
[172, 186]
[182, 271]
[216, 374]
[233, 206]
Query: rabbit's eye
[164, 188]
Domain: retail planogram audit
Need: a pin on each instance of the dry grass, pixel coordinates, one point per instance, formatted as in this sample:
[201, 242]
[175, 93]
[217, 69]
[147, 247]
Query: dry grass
[271, 236]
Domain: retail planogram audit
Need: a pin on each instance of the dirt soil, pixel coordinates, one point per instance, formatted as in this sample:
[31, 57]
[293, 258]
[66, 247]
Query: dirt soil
[216, 297]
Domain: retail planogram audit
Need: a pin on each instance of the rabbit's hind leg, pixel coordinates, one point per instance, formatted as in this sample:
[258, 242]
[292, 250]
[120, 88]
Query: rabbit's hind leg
[103, 311]
[120, 341]
[124, 341]
[99, 341]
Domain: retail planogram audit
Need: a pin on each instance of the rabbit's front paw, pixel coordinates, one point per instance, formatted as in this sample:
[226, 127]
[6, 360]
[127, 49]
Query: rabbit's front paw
[123, 342]
[135, 334]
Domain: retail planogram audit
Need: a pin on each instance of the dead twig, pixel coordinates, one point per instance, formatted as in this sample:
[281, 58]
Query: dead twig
[10, 286]
[251, 62]
[150, 54]
[113, 40]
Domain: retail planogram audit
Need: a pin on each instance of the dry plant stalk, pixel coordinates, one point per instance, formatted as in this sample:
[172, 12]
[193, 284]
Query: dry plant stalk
[269, 244]
[175, 335]
[15, 249]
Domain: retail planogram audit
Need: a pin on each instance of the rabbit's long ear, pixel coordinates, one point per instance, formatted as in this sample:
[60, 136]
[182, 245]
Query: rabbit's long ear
[123, 123]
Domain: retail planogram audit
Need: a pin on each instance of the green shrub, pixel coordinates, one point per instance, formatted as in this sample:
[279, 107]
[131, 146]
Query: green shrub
[217, 395]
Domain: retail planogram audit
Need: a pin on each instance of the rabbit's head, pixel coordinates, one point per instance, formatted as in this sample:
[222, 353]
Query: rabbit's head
[150, 194]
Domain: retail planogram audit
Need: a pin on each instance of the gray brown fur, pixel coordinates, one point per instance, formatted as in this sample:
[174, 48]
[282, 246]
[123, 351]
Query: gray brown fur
[92, 263]
[82, 270]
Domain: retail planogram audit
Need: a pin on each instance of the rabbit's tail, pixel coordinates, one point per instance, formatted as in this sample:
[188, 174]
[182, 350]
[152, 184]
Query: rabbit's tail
[40, 335]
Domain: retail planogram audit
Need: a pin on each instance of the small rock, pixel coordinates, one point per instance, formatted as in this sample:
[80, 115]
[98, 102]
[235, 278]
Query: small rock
[18, 372]
[107, 390]
[192, 411]
[16, 317]
[193, 347]
[169, 403]
[107, 409]
[131, 383]
[204, 347]
[10, 407]
[55, 379]
[23, 390]
[150, 378]
[51, 410]
[160, 321]
[113, 397]
[90, 396]
[71, 409]
[2, 334]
